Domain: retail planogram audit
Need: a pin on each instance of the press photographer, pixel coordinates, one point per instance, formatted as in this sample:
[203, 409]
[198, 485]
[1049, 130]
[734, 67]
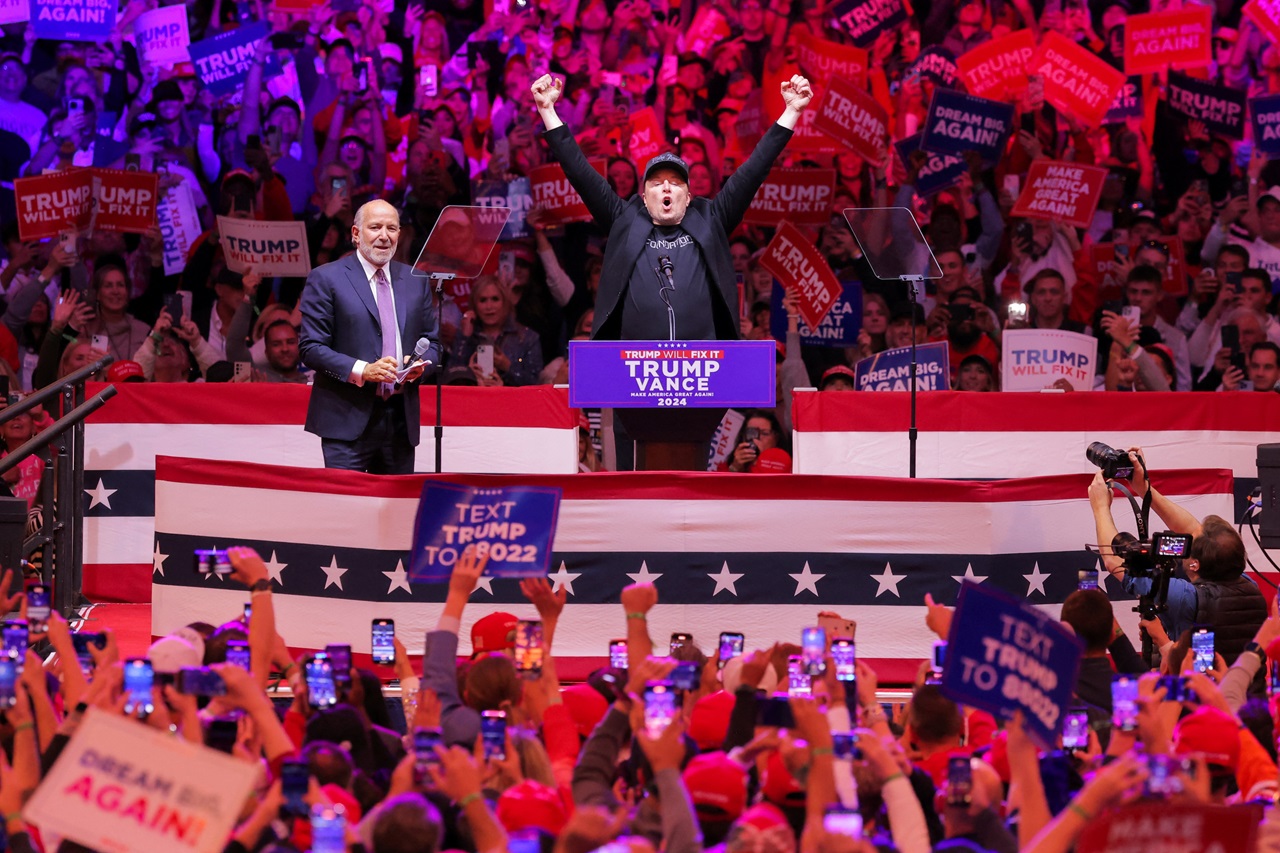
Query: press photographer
[1208, 589]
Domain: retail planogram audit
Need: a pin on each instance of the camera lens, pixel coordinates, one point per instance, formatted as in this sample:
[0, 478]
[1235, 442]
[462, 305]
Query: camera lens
[1115, 464]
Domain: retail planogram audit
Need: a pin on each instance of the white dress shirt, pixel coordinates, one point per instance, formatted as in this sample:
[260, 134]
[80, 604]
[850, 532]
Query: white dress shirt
[357, 372]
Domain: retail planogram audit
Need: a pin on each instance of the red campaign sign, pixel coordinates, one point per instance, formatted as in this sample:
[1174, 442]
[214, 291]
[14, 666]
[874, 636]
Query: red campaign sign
[798, 266]
[1063, 192]
[550, 188]
[823, 61]
[998, 69]
[802, 196]
[646, 137]
[126, 201]
[852, 116]
[750, 124]
[1158, 40]
[50, 204]
[1103, 255]
[1076, 80]
[1266, 14]
[1163, 827]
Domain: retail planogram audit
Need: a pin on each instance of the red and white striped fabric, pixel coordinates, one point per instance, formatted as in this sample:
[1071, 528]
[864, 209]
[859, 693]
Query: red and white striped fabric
[486, 430]
[761, 555]
[985, 436]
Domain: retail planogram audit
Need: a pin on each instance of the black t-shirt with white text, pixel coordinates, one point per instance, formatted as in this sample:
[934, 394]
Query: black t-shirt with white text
[644, 312]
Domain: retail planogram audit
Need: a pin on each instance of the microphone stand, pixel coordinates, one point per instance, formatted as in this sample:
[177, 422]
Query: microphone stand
[667, 283]
[438, 279]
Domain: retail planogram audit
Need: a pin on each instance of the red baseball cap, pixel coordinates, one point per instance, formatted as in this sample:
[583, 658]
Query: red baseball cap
[713, 780]
[709, 721]
[585, 705]
[126, 371]
[779, 786]
[1211, 732]
[763, 828]
[532, 805]
[493, 633]
[775, 460]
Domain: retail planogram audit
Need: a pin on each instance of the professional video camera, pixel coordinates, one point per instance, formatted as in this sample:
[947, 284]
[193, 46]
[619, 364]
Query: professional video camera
[1144, 557]
[1115, 464]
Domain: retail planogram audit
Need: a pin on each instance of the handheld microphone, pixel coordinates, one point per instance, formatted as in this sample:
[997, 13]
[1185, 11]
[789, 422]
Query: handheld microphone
[419, 354]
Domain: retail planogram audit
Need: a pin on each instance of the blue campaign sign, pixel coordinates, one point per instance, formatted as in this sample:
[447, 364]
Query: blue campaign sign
[223, 61]
[1004, 655]
[672, 374]
[839, 328]
[515, 524]
[936, 64]
[1265, 115]
[73, 20]
[958, 123]
[891, 370]
[1128, 102]
[939, 170]
[1221, 108]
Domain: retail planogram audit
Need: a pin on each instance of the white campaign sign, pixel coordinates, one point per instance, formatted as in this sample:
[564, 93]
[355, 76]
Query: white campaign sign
[267, 248]
[123, 787]
[162, 36]
[179, 223]
[1033, 359]
[14, 11]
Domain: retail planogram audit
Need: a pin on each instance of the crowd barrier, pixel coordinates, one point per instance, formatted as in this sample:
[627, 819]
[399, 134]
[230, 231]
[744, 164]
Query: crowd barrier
[487, 430]
[761, 555]
[986, 436]
[531, 431]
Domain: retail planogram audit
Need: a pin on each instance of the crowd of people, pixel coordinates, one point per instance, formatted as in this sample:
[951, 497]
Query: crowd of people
[418, 103]
[773, 744]
[423, 103]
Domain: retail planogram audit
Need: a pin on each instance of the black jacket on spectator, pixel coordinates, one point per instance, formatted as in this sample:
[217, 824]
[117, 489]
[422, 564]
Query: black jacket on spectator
[1234, 609]
[708, 221]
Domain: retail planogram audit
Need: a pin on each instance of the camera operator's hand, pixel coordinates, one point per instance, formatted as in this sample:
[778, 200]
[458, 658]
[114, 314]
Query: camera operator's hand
[1139, 479]
[1100, 494]
[1155, 630]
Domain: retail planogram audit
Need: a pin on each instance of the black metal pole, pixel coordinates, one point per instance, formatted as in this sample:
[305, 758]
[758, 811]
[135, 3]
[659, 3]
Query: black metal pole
[439, 432]
[53, 389]
[912, 432]
[66, 422]
[76, 562]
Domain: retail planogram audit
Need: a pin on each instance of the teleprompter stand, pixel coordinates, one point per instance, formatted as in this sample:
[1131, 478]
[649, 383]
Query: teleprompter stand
[459, 246]
[895, 249]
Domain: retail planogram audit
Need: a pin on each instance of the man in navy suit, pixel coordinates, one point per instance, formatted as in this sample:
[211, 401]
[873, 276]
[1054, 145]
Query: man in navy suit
[363, 316]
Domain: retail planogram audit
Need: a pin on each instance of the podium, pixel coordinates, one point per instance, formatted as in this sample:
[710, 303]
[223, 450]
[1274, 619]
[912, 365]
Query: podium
[669, 396]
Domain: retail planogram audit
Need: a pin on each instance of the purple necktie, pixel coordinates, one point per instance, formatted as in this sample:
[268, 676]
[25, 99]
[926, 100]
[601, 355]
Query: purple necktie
[387, 319]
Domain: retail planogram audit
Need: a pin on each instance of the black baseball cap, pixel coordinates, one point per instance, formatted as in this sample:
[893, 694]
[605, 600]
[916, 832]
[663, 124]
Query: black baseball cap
[667, 160]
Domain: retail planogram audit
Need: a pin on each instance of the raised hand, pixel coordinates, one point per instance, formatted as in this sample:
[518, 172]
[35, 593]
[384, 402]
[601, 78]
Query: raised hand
[546, 91]
[796, 93]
